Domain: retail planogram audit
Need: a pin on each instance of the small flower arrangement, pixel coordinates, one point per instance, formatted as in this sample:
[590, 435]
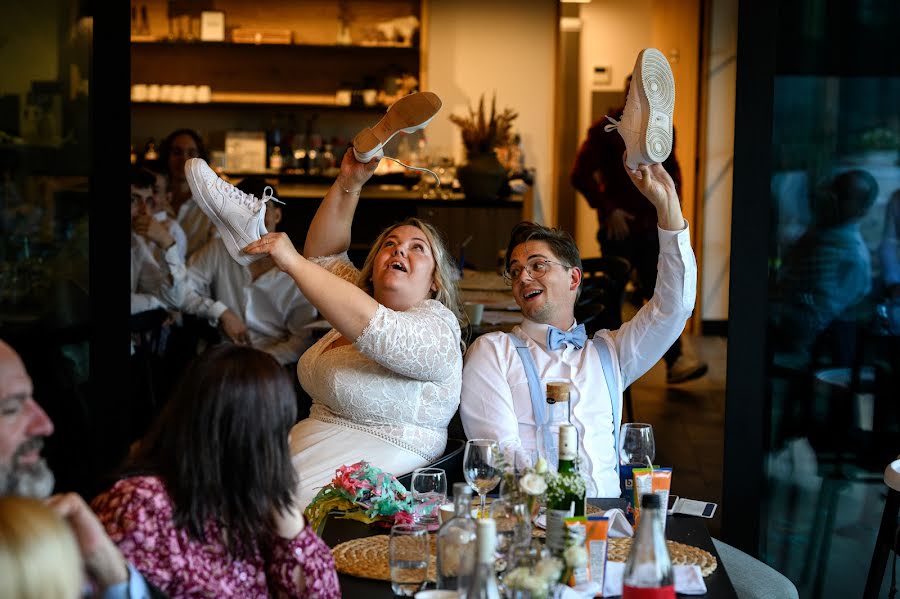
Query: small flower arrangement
[539, 581]
[365, 493]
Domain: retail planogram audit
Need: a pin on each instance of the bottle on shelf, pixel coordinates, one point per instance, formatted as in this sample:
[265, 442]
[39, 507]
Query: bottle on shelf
[299, 153]
[557, 411]
[483, 584]
[150, 152]
[648, 571]
[276, 161]
[456, 542]
[565, 498]
[133, 156]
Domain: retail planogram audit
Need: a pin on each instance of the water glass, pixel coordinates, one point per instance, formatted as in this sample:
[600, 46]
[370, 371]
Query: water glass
[513, 520]
[637, 445]
[429, 491]
[409, 554]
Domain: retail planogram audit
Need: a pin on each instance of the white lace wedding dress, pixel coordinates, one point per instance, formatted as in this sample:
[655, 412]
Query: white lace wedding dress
[386, 399]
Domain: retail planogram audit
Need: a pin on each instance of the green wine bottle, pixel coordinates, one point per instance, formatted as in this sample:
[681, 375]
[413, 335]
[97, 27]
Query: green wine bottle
[566, 491]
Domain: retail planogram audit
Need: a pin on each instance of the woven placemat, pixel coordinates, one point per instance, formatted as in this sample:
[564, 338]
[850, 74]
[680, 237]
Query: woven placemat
[368, 558]
[681, 554]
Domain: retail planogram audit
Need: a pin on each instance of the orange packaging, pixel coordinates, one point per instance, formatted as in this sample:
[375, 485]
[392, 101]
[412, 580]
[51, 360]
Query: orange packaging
[657, 480]
[595, 532]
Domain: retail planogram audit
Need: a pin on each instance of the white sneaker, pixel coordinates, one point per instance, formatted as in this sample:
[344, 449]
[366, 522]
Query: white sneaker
[240, 217]
[646, 124]
[408, 114]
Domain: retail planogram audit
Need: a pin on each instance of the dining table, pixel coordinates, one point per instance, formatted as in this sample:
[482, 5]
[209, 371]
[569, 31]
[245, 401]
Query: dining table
[683, 529]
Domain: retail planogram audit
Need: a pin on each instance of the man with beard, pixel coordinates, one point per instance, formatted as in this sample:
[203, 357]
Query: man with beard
[23, 472]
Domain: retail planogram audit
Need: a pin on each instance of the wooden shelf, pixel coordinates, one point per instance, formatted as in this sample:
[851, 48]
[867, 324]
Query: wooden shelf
[252, 100]
[330, 47]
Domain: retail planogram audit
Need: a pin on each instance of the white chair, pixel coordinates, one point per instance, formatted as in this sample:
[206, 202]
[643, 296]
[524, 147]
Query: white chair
[888, 540]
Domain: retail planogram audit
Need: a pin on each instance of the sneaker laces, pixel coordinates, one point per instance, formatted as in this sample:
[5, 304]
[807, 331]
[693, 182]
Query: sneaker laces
[251, 201]
[612, 125]
[437, 180]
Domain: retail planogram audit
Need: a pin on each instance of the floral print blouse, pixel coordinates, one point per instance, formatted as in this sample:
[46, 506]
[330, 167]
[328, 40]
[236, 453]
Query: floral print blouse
[138, 515]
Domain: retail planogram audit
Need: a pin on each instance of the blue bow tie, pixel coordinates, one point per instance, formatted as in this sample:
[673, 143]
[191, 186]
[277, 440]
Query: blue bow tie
[556, 339]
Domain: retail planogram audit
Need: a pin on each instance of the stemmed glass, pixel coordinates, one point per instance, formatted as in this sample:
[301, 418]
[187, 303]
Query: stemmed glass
[481, 465]
[637, 444]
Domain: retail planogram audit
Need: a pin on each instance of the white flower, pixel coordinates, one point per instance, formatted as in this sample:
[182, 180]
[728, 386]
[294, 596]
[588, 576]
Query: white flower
[549, 569]
[533, 484]
[541, 466]
[575, 556]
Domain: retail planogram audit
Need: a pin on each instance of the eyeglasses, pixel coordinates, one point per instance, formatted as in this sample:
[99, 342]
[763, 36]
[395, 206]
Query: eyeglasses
[536, 268]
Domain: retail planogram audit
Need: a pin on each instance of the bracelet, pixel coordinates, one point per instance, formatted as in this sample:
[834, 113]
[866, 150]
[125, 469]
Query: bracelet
[352, 191]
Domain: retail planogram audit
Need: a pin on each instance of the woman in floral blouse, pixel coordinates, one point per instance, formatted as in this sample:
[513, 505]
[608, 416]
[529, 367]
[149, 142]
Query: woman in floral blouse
[208, 507]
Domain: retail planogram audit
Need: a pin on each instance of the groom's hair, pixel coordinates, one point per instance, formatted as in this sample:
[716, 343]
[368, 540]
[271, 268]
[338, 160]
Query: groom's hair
[560, 242]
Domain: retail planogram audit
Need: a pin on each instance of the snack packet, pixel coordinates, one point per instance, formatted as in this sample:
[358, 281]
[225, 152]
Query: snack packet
[592, 532]
[647, 480]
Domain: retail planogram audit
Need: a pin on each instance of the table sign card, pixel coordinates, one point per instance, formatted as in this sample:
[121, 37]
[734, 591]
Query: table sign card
[212, 26]
[245, 151]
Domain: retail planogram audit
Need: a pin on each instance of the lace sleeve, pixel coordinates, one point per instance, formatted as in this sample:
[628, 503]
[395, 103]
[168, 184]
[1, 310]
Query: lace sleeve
[421, 343]
[338, 264]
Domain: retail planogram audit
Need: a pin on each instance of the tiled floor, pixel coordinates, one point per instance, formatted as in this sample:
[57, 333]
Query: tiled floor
[689, 423]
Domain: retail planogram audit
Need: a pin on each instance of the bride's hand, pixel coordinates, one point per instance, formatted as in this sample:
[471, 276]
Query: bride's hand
[279, 247]
[354, 173]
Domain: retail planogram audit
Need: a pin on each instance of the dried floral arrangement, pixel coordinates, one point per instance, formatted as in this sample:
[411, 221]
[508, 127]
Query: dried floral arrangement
[481, 134]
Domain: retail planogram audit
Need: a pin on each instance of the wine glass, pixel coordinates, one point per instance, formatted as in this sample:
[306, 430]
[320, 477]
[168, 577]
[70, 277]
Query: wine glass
[429, 491]
[637, 444]
[481, 465]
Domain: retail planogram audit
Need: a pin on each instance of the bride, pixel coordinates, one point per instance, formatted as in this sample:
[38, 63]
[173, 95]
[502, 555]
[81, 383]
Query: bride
[385, 381]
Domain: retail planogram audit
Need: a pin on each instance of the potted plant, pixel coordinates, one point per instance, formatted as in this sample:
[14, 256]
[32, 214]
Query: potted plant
[483, 177]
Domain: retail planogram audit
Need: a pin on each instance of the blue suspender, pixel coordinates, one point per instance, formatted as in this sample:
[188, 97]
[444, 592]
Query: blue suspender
[615, 396]
[534, 387]
[537, 393]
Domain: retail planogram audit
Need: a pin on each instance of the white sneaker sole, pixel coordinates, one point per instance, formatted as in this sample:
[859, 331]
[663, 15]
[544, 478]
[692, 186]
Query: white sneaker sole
[192, 172]
[408, 114]
[656, 91]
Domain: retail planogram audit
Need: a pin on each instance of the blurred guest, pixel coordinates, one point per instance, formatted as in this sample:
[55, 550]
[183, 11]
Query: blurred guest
[825, 274]
[154, 252]
[180, 146]
[208, 502]
[23, 472]
[160, 205]
[256, 304]
[38, 553]
[628, 221]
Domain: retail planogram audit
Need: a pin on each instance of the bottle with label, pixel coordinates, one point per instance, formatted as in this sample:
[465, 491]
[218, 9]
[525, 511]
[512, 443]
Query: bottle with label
[567, 492]
[483, 584]
[557, 411]
[456, 542]
[276, 161]
[150, 152]
[648, 571]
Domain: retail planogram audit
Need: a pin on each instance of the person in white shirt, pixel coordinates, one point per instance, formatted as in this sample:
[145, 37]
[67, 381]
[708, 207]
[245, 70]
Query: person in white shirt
[154, 252]
[544, 269]
[160, 205]
[257, 304]
[176, 149]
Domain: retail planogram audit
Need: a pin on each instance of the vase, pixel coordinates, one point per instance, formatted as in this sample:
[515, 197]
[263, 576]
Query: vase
[482, 177]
